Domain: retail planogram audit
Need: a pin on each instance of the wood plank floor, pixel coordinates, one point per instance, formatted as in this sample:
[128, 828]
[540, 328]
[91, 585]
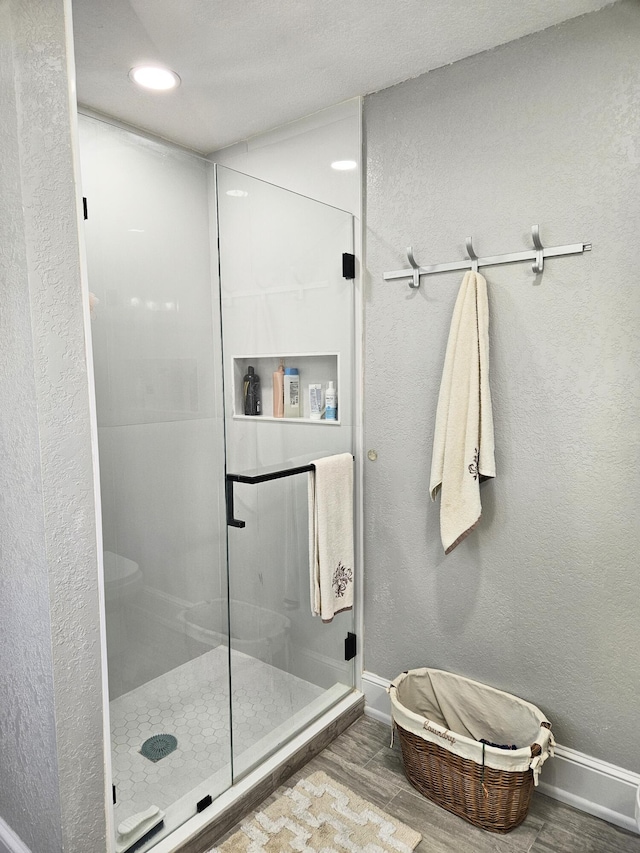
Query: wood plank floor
[361, 759]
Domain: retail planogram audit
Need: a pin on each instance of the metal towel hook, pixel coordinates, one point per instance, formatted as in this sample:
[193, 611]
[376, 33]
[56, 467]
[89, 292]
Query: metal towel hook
[416, 268]
[472, 255]
[538, 265]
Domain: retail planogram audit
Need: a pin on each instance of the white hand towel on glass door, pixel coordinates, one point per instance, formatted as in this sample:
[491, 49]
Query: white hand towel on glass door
[331, 535]
[463, 445]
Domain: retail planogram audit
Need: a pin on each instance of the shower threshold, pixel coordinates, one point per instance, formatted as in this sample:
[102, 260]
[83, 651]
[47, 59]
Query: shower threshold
[192, 703]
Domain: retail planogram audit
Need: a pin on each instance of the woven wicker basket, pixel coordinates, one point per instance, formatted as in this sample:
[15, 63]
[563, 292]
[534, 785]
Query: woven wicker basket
[492, 798]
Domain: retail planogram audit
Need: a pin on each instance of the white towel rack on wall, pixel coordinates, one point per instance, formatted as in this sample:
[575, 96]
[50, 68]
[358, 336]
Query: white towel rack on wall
[473, 262]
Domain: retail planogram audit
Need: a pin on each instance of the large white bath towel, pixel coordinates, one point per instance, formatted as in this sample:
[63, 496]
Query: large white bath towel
[463, 446]
[331, 535]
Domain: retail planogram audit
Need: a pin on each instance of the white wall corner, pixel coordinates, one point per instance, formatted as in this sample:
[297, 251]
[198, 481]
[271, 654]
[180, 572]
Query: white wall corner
[586, 783]
[9, 841]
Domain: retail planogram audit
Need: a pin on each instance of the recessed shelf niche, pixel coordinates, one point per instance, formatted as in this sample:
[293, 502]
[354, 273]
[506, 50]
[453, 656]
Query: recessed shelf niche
[313, 368]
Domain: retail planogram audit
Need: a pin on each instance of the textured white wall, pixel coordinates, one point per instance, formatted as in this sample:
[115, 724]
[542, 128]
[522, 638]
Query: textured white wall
[27, 740]
[51, 776]
[542, 600]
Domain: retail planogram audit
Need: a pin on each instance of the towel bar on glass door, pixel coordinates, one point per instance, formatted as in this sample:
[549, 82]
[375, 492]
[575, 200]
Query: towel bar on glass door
[253, 479]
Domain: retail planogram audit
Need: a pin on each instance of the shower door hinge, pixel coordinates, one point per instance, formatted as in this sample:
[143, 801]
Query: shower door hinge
[204, 803]
[350, 646]
[348, 265]
[114, 794]
[85, 209]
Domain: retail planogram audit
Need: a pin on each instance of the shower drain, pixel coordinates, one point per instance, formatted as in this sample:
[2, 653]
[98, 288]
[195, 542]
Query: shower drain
[158, 746]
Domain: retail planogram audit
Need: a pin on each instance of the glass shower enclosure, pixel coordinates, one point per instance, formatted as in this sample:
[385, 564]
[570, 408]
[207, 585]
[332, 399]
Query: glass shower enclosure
[198, 273]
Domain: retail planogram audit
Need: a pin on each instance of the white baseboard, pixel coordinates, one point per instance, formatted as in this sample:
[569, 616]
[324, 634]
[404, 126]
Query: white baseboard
[9, 841]
[593, 786]
[597, 787]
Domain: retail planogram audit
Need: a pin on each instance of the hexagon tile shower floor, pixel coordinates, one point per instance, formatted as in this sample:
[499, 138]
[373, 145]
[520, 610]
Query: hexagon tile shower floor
[192, 704]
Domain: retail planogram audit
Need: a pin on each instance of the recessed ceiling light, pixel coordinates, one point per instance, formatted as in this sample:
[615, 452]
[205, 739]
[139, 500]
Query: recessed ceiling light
[237, 193]
[344, 165]
[154, 77]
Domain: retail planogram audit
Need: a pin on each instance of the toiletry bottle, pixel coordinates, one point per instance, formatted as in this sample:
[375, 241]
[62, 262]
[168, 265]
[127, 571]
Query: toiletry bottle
[315, 402]
[331, 403]
[291, 392]
[278, 391]
[251, 392]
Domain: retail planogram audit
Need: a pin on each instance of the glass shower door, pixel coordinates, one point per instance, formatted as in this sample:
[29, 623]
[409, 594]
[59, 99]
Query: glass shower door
[158, 375]
[284, 299]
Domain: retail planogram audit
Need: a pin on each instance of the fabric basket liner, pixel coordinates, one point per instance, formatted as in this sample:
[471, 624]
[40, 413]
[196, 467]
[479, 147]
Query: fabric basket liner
[455, 713]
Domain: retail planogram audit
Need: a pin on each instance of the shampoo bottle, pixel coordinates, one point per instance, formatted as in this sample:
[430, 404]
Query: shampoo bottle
[291, 392]
[331, 403]
[251, 392]
[278, 392]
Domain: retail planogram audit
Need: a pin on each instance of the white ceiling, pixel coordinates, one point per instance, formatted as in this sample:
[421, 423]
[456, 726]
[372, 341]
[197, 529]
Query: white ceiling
[250, 65]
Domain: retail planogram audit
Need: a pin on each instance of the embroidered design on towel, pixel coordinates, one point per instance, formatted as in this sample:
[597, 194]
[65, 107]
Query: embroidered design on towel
[341, 577]
[473, 468]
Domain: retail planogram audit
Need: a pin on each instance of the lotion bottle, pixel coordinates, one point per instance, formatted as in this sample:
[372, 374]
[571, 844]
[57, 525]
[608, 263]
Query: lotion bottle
[278, 391]
[315, 402]
[331, 403]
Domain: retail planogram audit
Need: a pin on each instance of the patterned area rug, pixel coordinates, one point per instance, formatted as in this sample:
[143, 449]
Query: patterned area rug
[321, 816]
